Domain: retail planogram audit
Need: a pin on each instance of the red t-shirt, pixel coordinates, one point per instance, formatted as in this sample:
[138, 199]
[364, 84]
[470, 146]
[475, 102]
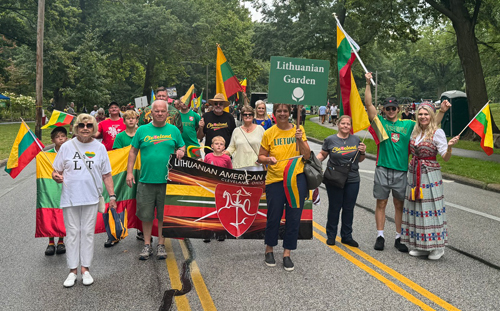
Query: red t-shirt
[109, 129]
[222, 161]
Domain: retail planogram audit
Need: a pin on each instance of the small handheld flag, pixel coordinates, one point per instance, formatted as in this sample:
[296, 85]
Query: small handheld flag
[25, 148]
[58, 118]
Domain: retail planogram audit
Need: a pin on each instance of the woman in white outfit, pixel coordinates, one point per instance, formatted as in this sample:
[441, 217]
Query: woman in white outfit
[80, 193]
[245, 142]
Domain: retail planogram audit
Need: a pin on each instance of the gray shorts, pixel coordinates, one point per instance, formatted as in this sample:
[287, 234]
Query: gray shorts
[148, 197]
[387, 179]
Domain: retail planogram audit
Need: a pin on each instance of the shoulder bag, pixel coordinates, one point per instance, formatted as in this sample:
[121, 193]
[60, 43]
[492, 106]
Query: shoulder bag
[102, 205]
[313, 171]
[337, 175]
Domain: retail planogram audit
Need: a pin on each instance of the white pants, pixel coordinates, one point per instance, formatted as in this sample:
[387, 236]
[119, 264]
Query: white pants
[80, 227]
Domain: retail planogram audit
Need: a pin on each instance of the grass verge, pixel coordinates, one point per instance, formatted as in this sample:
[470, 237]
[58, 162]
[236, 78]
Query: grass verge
[467, 167]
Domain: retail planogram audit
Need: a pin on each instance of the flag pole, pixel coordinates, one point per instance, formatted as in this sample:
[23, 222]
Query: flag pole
[352, 48]
[473, 118]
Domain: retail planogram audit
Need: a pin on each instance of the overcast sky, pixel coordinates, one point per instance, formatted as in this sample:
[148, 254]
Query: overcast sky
[255, 15]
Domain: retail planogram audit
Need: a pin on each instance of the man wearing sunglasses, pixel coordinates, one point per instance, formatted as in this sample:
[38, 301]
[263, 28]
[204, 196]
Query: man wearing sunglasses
[392, 162]
[216, 122]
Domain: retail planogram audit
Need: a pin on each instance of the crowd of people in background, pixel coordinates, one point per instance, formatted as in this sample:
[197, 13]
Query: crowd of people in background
[259, 143]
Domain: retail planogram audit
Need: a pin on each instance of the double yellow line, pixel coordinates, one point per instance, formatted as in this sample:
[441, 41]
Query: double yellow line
[182, 302]
[393, 286]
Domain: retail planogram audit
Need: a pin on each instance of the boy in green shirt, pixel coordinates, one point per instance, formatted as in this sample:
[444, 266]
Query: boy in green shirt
[124, 139]
[59, 135]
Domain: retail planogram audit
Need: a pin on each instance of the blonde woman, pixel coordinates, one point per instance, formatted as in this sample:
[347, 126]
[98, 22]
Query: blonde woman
[424, 225]
[261, 117]
[81, 189]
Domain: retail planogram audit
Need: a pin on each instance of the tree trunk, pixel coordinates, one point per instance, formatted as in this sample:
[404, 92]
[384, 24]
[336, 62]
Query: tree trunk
[148, 80]
[59, 100]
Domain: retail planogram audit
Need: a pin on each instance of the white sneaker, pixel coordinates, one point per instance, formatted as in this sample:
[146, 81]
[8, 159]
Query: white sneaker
[70, 280]
[87, 278]
[436, 254]
[418, 253]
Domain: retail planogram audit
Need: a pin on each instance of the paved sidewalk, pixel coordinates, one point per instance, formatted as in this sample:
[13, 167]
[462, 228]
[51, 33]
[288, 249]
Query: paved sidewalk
[456, 151]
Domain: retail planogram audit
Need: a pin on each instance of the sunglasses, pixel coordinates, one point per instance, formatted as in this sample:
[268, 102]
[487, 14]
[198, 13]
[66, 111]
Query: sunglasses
[247, 114]
[85, 125]
[391, 108]
[218, 104]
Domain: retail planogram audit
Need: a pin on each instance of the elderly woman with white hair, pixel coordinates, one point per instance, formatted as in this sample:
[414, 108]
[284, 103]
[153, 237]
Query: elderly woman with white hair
[424, 226]
[82, 164]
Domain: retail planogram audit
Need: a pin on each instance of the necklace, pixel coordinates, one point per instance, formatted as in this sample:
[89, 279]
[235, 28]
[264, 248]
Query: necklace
[343, 139]
[247, 129]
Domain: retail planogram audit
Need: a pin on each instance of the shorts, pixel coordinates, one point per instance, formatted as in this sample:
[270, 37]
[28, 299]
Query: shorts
[387, 179]
[148, 197]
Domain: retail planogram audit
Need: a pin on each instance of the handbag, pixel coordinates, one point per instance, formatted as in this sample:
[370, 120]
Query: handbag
[116, 224]
[101, 206]
[337, 175]
[313, 171]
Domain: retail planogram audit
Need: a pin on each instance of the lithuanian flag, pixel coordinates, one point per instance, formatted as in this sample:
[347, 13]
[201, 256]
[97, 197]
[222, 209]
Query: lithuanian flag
[377, 130]
[290, 182]
[351, 101]
[186, 99]
[25, 148]
[481, 124]
[58, 118]
[225, 79]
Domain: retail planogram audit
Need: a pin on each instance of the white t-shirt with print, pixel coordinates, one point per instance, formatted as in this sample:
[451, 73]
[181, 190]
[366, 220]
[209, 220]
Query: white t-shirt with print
[79, 187]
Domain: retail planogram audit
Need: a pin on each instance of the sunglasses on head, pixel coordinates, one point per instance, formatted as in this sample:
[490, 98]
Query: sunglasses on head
[247, 114]
[391, 108]
[85, 125]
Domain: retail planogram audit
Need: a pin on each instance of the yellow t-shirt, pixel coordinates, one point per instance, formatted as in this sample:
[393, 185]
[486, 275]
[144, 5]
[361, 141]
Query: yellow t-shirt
[281, 145]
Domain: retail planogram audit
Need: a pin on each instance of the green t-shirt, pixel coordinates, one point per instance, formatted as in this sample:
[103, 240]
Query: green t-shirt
[190, 121]
[122, 140]
[53, 150]
[393, 152]
[156, 144]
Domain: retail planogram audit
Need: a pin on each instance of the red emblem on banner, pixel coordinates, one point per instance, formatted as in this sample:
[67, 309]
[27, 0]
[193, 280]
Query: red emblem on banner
[237, 207]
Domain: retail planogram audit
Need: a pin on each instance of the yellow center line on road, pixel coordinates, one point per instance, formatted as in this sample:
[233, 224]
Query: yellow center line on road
[199, 284]
[414, 286]
[375, 274]
[181, 302]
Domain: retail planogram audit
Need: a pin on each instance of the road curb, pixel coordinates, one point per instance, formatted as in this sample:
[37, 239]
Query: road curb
[455, 178]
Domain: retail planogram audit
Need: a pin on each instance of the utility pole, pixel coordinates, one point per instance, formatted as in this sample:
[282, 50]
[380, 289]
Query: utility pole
[39, 68]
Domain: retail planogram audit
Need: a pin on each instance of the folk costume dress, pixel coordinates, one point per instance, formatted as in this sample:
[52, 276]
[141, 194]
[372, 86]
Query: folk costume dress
[424, 223]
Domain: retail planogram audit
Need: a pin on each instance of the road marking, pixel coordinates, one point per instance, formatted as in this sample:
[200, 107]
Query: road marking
[375, 274]
[175, 280]
[463, 208]
[367, 171]
[419, 289]
[199, 284]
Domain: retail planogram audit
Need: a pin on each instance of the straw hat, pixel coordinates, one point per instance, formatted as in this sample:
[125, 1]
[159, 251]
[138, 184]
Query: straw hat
[218, 98]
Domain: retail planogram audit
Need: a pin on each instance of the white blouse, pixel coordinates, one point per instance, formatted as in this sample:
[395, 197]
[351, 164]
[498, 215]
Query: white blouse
[245, 150]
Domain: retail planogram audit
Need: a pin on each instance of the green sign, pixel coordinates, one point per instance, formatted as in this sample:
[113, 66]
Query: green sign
[298, 81]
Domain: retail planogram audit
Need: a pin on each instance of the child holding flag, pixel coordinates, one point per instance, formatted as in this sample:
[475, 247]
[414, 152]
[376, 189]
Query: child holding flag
[59, 135]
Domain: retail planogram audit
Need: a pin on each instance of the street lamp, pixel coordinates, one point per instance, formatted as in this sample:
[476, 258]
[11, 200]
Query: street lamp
[376, 85]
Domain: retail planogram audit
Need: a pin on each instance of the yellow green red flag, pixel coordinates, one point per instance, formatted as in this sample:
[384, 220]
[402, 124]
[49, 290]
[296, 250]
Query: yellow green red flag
[26, 146]
[58, 118]
[225, 79]
[481, 124]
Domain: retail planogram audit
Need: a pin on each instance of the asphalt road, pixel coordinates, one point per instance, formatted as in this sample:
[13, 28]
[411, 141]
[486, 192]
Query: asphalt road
[231, 275]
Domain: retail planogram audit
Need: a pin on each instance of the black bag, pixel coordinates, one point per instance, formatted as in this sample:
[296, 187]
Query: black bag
[313, 171]
[337, 175]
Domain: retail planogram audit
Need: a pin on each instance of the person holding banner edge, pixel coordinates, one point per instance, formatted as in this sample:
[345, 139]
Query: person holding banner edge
[392, 163]
[279, 144]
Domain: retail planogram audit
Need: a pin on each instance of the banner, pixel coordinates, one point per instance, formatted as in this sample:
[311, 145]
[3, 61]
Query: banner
[202, 200]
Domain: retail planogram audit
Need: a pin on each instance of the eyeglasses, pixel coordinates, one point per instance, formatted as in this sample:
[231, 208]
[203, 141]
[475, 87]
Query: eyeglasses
[247, 114]
[391, 108]
[85, 125]
[218, 104]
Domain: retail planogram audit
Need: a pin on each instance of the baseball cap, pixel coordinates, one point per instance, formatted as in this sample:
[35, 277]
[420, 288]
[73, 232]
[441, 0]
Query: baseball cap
[391, 102]
[113, 103]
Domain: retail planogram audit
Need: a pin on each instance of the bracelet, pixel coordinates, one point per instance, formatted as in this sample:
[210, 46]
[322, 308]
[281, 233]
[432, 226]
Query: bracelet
[112, 197]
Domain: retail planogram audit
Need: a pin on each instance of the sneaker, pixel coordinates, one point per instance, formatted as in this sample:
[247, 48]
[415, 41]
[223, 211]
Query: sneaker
[436, 254]
[400, 246]
[206, 240]
[140, 235]
[288, 264]
[330, 242]
[350, 242]
[270, 262]
[110, 243]
[70, 280]
[379, 244]
[61, 249]
[87, 279]
[161, 253]
[418, 253]
[221, 238]
[147, 251]
[50, 250]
